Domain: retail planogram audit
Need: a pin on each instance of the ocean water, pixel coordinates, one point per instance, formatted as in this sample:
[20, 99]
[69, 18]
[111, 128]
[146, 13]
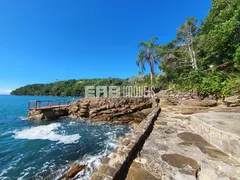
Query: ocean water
[46, 149]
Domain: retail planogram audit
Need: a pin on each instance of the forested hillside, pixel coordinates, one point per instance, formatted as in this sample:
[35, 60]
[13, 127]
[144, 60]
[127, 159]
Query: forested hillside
[77, 87]
[65, 88]
[205, 59]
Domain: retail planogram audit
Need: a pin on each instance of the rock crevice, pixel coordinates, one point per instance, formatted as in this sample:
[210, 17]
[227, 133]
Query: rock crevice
[117, 163]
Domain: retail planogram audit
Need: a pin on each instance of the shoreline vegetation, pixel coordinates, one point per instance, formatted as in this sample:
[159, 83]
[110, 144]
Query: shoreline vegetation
[67, 88]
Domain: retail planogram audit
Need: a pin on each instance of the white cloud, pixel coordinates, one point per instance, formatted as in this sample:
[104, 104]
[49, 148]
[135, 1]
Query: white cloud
[8, 91]
[5, 91]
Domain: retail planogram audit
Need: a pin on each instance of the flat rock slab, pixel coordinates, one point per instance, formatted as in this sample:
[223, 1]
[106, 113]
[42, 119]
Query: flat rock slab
[136, 172]
[174, 151]
[222, 129]
[190, 109]
[180, 161]
[209, 150]
[225, 121]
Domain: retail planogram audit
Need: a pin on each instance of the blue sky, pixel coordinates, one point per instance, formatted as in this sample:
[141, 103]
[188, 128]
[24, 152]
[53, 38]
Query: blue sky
[42, 40]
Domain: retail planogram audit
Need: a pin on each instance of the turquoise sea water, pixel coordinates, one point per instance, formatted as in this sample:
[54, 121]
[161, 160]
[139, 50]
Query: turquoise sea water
[46, 149]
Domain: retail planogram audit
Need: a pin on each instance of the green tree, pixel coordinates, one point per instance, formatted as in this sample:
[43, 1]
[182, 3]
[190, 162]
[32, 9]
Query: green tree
[186, 38]
[194, 50]
[147, 55]
[174, 61]
[179, 56]
[221, 32]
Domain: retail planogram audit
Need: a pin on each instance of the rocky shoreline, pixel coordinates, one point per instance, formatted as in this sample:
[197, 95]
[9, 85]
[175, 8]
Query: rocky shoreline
[173, 149]
[126, 109]
[108, 110]
[139, 113]
[111, 110]
[116, 165]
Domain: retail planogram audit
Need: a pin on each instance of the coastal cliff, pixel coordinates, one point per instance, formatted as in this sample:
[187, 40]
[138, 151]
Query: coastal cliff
[115, 110]
[112, 110]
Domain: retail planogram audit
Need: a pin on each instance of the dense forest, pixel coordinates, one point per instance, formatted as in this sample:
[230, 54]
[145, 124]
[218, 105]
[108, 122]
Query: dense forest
[76, 87]
[65, 88]
[204, 58]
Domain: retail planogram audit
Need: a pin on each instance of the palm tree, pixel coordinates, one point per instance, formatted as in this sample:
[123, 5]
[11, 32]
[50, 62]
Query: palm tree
[147, 55]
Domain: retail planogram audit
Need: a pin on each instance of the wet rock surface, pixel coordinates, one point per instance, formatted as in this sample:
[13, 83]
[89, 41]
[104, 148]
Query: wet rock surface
[35, 115]
[75, 169]
[47, 114]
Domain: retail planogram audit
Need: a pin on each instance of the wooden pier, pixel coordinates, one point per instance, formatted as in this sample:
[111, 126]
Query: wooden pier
[47, 105]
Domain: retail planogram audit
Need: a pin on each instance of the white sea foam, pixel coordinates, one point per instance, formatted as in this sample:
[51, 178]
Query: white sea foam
[94, 161]
[6, 133]
[72, 123]
[46, 132]
[23, 118]
[25, 173]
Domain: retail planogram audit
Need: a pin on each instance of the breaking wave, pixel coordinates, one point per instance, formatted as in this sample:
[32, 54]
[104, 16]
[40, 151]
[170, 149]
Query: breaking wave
[46, 132]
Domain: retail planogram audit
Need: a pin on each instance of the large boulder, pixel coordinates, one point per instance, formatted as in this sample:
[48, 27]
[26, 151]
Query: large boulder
[208, 103]
[47, 114]
[35, 115]
[203, 103]
[75, 169]
[232, 101]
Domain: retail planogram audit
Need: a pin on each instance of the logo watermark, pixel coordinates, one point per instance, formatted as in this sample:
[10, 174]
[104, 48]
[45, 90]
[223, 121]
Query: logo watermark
[118, 91]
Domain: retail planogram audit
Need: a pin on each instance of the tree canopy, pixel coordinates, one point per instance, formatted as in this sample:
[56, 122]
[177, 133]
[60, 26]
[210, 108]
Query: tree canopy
[220, 32]
[77, 87]
[147, 56]
[185, 61]
[67, 88]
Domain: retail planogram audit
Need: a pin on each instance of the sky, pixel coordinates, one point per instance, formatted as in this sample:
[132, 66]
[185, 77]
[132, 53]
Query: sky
[42, 41]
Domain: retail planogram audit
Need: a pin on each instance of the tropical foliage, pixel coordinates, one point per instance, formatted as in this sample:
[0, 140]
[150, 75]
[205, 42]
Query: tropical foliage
[147, 56]
[186, 60]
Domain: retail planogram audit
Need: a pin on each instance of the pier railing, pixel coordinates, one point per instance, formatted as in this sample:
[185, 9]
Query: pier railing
[50, 104]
